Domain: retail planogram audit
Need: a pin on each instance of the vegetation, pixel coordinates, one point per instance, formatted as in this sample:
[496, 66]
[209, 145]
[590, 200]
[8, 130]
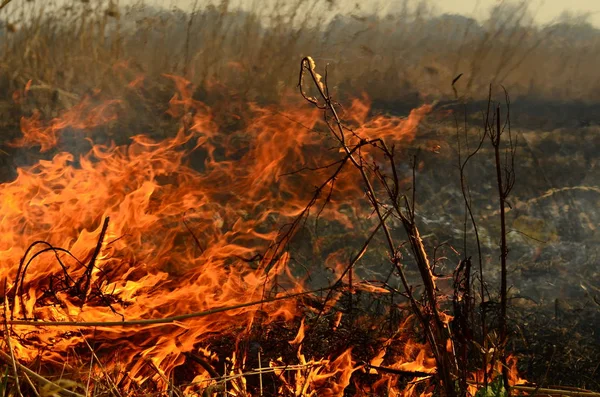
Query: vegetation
[417, 157]
[408, 55]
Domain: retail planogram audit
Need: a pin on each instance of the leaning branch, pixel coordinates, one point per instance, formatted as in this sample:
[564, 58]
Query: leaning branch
[154, 321]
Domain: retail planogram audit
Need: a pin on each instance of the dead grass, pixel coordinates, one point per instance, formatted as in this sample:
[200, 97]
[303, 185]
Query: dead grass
[405, 57]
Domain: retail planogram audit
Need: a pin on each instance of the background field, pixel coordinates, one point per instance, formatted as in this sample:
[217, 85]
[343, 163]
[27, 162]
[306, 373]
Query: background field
[406, 56]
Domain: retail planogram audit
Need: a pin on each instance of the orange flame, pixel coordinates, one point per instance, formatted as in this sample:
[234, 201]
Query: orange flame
[180, 239]
[81, 117]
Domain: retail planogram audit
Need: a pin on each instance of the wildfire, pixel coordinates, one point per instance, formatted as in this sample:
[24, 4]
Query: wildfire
[135, 232]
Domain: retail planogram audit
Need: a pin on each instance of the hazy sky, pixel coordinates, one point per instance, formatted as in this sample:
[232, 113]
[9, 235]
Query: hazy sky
[543, 10]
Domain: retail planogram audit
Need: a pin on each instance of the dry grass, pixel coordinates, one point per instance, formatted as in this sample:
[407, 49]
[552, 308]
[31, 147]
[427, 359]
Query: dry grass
[405, 57]
[400, 59]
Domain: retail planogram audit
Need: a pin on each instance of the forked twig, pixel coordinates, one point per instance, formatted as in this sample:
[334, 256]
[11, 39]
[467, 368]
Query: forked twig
[436, 331]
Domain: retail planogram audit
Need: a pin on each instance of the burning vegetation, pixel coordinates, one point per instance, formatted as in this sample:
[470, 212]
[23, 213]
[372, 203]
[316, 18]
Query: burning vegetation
[176, 238]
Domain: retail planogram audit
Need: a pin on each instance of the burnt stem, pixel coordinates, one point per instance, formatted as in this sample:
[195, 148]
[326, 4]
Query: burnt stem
[86, 278]
[496, 141]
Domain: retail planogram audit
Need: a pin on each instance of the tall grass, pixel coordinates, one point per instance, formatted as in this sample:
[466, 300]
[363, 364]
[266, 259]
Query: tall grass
[409, 55]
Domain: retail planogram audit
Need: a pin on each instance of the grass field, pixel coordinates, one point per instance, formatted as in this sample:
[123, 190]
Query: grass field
[187, 130]
[408, 56]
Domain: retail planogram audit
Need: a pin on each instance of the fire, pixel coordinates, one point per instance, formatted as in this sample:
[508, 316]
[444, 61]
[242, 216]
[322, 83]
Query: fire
[398, 129]
[414, 361]
[322, 377]
[179, 240]
[83, 116]
[135, 232]
[513, 375]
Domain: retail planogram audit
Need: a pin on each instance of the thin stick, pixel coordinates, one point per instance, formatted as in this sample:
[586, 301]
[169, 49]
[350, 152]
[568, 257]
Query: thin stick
[396, 371]
[89, 381]
[554, 392]
[466, 193]
[260, 379]
[165, 320]
[87, 276]
[225, 380]
[496, 141]
[31, 385]
[547, 391]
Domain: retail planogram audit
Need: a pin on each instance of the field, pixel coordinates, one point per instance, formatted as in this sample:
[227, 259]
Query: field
[304, 200]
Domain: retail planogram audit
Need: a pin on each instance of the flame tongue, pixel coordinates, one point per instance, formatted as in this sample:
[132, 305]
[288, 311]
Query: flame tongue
[179, 240]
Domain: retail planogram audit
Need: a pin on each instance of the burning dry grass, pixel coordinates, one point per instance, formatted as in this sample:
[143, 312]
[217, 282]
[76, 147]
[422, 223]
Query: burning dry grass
[179, 240]
[166, 234]
[192, 257]
[147, 273]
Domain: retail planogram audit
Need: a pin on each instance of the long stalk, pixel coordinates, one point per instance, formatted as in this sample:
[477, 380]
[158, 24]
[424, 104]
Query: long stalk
[496, 141]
